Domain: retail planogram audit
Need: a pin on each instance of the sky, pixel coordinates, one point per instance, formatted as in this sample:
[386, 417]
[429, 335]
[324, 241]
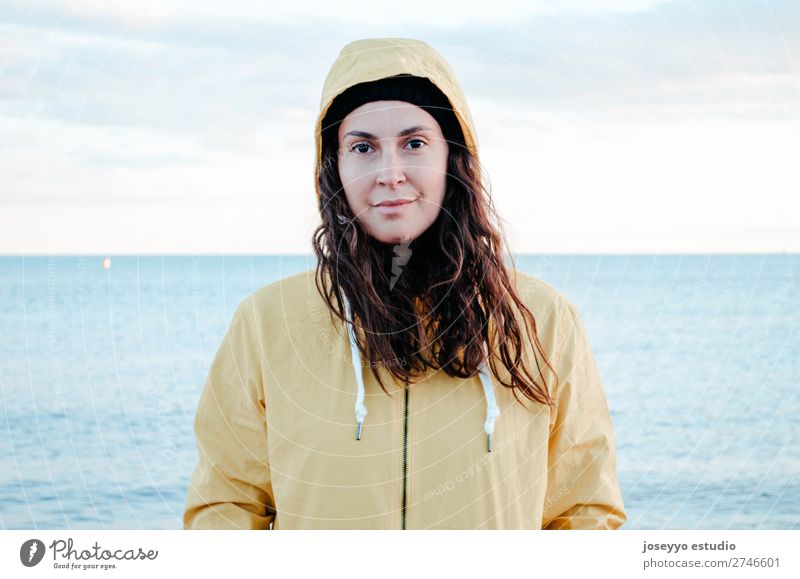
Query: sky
[186, 127]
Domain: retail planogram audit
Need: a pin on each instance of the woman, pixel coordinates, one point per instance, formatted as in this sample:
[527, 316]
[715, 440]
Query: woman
[360, 394]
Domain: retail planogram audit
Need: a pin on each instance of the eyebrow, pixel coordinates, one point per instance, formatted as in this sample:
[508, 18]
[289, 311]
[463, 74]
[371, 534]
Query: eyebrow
[403, 133]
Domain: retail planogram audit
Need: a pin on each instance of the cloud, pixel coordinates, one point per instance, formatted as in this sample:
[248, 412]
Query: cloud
[673, 58]
[144, 16]
[196, 70]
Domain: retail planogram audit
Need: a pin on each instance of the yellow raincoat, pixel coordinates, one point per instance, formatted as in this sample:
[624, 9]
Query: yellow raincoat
[277, 420]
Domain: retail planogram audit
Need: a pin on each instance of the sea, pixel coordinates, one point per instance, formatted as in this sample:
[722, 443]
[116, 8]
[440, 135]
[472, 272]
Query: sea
[102, 365]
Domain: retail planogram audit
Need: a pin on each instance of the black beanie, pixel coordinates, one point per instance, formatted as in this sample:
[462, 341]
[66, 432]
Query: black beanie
[403, 87]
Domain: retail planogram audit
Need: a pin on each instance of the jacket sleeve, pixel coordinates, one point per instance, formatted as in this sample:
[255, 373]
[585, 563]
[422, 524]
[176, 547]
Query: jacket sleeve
[582, 489]
[231, 486]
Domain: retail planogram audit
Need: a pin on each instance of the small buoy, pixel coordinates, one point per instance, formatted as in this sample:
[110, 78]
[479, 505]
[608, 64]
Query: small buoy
[106, 263]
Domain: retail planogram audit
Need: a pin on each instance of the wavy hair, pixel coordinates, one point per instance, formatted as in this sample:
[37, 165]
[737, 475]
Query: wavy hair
[435, 311]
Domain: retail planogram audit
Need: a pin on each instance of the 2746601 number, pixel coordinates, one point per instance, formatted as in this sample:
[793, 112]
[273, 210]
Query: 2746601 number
[756, 562]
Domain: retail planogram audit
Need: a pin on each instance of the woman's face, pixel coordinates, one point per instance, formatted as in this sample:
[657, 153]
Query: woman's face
[393, 166]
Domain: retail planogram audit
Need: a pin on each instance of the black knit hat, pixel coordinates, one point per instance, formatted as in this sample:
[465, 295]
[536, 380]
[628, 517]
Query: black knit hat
[403, 87]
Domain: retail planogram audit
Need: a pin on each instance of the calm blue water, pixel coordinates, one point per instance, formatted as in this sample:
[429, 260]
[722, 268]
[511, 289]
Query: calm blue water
[101, 371]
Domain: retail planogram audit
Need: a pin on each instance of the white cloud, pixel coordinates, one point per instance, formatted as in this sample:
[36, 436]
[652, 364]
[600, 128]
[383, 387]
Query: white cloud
[450, 13]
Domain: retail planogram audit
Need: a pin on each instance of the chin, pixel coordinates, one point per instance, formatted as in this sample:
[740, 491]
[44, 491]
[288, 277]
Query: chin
[395, 237]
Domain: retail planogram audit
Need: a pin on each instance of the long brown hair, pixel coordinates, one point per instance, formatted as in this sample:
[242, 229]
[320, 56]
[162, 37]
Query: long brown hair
[435, 309]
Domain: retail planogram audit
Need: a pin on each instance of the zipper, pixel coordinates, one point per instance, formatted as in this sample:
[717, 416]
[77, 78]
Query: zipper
[405, 454]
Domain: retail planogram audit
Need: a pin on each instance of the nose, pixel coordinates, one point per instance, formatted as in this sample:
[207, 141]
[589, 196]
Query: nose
[391, 172]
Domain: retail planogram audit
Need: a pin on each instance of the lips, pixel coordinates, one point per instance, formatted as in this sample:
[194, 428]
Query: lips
[393, 208]
[394, 202]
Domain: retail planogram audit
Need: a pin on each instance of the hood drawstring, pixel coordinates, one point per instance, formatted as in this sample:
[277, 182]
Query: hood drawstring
[492, 410]
[361, 409]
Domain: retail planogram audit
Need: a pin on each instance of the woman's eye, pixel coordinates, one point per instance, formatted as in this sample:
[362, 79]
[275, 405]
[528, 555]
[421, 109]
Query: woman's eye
[418, 142]
[361, 147]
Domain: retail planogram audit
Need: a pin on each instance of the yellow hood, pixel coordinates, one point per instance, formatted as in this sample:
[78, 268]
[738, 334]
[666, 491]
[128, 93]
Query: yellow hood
[376, 58]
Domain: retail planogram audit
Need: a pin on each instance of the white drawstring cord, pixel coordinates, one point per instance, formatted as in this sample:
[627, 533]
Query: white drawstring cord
[361, 409]
[492, 410]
